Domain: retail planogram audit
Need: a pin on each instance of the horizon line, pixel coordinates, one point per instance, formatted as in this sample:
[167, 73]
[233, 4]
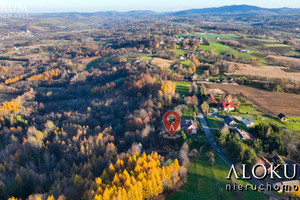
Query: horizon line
[137, 10]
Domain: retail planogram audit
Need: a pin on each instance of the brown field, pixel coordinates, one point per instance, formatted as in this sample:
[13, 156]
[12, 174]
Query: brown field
[267, 72]
[254, 42]
[268, 102]
[287, 61]
[161, 63]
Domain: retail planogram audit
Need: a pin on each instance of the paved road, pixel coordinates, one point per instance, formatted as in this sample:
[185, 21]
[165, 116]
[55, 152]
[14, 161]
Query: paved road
[212, 142]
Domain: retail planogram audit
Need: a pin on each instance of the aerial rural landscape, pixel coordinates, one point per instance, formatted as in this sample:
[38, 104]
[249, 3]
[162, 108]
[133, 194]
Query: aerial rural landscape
[83, 95]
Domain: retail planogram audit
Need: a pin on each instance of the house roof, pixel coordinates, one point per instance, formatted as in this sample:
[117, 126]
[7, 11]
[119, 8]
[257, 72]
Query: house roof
[228, 120]
[211, 99]
[262, 160]
[291, 168]
[227, 104]
[187, 123]
[281, 116]
[244, 134]
[248, 120]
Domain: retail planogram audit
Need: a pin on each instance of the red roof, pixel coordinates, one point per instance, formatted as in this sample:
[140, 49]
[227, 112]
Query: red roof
[226, 104]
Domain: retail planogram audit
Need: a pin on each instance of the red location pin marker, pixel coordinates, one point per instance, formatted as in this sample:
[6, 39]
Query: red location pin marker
[171, 126]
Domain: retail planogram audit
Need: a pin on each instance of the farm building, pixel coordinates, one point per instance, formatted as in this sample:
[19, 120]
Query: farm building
[189, 126]
[248, 121]
[282, 117]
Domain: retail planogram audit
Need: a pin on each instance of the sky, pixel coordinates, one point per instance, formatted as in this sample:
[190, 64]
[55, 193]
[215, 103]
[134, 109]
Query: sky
[42, 6]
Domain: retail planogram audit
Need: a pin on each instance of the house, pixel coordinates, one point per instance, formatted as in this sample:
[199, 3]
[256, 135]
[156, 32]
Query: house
[189, 126]
[244, 51]
[138, 60]
[282, 117]
[175, 67]
[244, 135]
[181, 58]
[248, 121]
[262, 161]
[278, 160]
[229, 79]
[227, 106]
[186, 47]
[211, 99]
[229, 121]
[194, 76]
[291, 169]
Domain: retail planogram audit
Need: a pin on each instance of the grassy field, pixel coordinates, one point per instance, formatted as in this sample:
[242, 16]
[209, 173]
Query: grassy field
[268, 102]
[180, 52]
[182, 88]
[92, 63]
[147, 57]
[246, 110]
[221, 49]
[211, 35]
[186, 63]
[205, 182]
[189, 114]
[214, 122]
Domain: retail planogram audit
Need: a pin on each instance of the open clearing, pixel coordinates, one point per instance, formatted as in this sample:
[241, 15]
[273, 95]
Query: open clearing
[266, 72]
[182, 88]
[269, 102]
[211, 35]
[294, 62]
[205, 182]
[161, 63]
[221, 49]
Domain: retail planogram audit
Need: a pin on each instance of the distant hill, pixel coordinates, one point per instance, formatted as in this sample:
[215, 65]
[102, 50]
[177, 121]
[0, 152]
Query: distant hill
[224, 10]
[239, 9]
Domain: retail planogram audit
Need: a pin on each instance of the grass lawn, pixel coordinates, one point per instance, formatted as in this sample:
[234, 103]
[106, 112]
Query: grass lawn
[205, 181]
[182, 88]
[147, 57]
[293, 125]
[186, 63]
[180, 52]
[248, 108]
[44, 53]
[215, 122]
[189, 113]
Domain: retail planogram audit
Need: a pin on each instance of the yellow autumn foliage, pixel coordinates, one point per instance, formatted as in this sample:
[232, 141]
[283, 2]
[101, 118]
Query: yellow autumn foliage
[143, 177]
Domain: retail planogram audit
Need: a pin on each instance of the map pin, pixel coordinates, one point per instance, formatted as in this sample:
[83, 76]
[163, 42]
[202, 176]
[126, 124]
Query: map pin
[171, 126]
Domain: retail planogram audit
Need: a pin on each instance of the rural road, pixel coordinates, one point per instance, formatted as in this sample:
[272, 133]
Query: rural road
[222, 155]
